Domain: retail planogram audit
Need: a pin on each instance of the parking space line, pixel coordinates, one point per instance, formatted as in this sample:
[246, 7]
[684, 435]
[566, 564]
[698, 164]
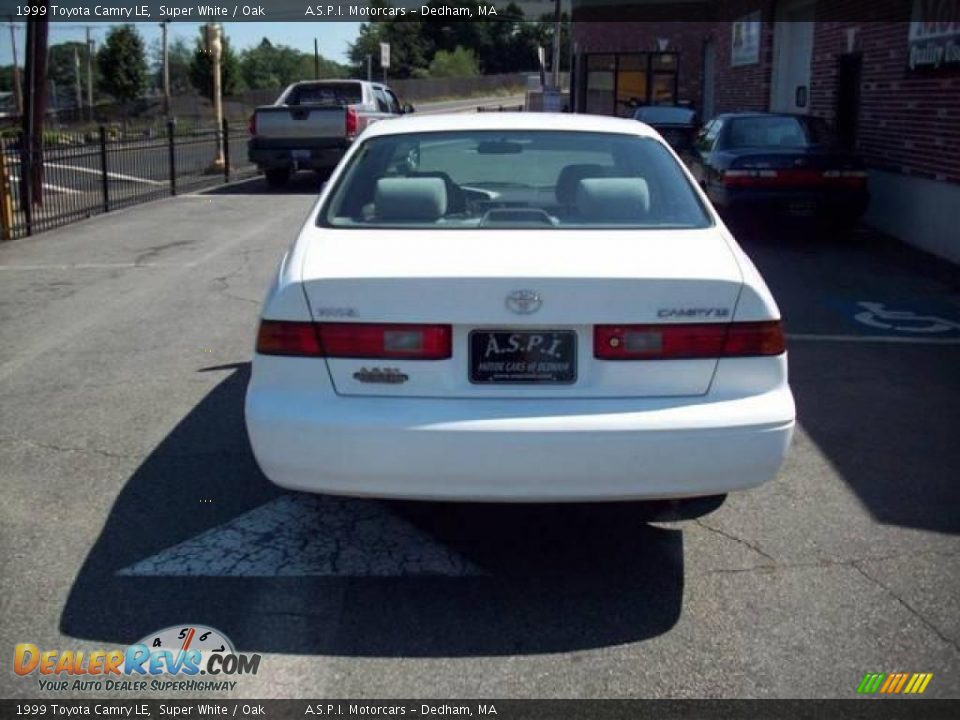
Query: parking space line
[113, 175]
[302, 536]
[814, 337]
[93, 266]
[15, 180]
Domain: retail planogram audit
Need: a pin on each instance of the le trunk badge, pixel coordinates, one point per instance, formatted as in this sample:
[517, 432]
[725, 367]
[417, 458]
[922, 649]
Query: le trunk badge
[391, 376]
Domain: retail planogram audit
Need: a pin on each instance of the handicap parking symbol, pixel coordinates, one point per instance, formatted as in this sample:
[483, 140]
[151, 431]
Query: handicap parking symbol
[889, 319]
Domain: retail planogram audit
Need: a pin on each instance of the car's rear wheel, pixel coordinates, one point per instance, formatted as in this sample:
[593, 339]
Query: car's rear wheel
[277, 177]
[679, 509]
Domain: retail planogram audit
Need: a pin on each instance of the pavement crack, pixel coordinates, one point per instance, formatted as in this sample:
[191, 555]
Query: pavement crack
[13, 439]
[730, 536]
[907, 606]
[222, 283]
[152, 252]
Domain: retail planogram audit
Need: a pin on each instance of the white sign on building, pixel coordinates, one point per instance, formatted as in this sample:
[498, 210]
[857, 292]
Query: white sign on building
[745, 42]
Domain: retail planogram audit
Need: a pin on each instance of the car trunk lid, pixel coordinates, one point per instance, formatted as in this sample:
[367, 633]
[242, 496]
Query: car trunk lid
[475, 281]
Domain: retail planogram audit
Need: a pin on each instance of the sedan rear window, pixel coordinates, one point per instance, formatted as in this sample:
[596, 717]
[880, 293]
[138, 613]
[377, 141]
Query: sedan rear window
[776, 131]
[513, 179]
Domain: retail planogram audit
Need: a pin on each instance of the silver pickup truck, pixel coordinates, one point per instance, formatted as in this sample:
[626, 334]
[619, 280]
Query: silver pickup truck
[313, 122]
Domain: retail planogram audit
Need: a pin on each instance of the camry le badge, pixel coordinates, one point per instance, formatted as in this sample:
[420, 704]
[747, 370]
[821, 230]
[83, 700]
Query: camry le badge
[523, 302]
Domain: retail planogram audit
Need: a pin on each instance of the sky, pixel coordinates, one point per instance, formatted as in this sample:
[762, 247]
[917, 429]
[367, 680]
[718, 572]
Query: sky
[333, 37]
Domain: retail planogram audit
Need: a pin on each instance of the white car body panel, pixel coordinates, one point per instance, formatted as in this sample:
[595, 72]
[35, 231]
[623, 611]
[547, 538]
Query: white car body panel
[623, 430]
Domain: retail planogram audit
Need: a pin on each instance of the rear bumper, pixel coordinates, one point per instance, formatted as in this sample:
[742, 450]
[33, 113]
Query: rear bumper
[517, 450]
[814, 202]
[311, 154]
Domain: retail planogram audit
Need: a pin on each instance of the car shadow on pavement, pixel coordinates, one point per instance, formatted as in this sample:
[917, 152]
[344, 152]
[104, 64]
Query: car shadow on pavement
[403, 578]
[886, 417]
[885, 414]
[301, 183]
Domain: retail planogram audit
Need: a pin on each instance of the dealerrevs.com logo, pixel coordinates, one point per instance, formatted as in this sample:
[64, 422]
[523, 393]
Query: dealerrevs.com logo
[172, 659]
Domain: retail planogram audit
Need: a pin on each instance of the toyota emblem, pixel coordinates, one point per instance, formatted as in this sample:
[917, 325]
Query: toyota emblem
[524, 302]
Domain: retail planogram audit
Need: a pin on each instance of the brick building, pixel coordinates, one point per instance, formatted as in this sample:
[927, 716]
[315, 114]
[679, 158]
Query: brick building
[886, 73]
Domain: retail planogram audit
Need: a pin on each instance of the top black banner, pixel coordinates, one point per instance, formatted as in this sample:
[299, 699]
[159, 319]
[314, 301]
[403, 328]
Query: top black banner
[87, 11]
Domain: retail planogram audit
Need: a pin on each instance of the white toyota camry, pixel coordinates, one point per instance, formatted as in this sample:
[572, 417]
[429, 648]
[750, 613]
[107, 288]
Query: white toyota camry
[517, 307]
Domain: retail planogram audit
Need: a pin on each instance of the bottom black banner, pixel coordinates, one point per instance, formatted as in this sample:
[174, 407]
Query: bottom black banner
[901, 709]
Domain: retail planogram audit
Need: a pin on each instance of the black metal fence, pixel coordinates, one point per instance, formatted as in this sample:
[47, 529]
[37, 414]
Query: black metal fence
[77, 175]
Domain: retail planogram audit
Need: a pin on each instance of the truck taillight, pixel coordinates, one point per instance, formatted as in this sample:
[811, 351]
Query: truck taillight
[393, 341]
[688, 340]
[351, 123]
[252, 124]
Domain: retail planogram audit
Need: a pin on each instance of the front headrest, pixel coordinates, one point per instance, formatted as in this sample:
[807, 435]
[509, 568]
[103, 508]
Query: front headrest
[566, 188]
[613, 199]
[421, 198]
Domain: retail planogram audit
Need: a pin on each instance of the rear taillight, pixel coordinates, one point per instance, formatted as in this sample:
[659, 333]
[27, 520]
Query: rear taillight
[252, 125]
[687, 340]
[355, 340]
[279, 337]
[351, 123]
[846, 178]
[747, 178]
[394, 341]
[793, 177]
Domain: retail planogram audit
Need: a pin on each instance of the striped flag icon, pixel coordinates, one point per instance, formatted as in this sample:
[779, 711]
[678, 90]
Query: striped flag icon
[894, 683]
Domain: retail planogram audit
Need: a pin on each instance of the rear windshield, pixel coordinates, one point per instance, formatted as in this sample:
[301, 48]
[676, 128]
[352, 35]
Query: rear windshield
[669, 115]
[331, 94]
[513, 179]
[777, 131]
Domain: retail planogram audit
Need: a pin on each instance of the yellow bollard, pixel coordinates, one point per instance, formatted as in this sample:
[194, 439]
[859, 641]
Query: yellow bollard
[6, 196]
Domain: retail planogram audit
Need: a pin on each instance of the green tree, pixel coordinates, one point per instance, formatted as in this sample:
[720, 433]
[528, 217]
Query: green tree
[178, 60]
[459, 63]
[61, 67]
[6, 78]
[179, 57]
[201, 69]
[410, 48]
[122, 64]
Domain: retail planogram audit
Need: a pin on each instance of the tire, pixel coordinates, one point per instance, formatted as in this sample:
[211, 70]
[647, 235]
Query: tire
[277, 177]
[679, 509]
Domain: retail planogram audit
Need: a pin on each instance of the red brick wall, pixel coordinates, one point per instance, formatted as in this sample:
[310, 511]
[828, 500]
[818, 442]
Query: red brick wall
[746, 87]
[909, 120]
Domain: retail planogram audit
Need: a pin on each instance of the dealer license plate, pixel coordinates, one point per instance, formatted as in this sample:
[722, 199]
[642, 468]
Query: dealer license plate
[523, 357]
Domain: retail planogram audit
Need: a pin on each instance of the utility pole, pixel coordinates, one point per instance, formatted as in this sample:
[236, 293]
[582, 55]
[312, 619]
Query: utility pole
[89, 75]
[369, 67]
[35, 105]
[166, 70]
[215, 47]
[17, 90]
[557, 29]
[77, 85]
[316, 60]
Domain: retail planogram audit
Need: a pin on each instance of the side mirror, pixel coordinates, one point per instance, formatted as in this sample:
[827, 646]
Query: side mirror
[407, 108]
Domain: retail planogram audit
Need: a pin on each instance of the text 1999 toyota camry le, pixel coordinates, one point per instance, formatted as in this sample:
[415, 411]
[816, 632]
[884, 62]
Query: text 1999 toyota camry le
[518, 307]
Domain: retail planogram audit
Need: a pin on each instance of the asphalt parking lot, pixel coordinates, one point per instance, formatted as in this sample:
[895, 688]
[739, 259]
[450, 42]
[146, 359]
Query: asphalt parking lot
[132, 502]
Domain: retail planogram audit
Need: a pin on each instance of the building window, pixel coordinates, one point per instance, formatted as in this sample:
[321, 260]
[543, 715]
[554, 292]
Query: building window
[616, 83]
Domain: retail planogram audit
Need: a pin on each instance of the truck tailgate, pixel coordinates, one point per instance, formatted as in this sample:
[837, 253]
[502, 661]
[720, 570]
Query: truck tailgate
[300, 122]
